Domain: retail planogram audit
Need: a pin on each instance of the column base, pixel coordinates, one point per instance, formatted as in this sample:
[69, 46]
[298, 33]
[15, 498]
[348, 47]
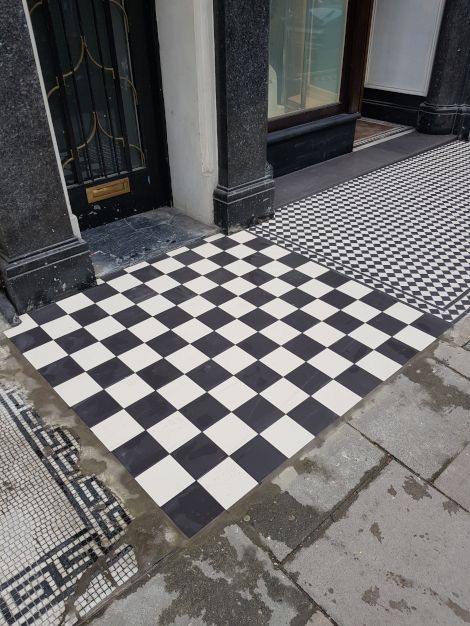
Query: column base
[245, 205]
[435, 119]
[48, 274]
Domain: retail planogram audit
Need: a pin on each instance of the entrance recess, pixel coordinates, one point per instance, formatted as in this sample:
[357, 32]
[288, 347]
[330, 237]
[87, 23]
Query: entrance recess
[99, 60]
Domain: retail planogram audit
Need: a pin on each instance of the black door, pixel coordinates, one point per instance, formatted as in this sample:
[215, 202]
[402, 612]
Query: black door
[99, 60]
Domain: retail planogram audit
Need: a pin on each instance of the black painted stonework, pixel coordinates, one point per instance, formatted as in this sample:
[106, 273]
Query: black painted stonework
[448, 100]
[40, 258]
[391, 106]
[245, 191]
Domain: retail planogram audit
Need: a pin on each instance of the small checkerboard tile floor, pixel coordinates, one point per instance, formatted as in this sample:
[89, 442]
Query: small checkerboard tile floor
[403, 229]
[207, 368]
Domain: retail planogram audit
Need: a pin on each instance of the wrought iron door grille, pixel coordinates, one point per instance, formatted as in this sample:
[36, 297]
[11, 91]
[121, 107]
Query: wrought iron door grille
[86, 64]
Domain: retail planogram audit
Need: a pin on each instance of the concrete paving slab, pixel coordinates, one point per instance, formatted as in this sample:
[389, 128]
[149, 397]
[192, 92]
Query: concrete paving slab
[222, 579]
[454, 479]
[454, 356]
[399, 556]
[459, 333]
[284, 511]
[422, 417]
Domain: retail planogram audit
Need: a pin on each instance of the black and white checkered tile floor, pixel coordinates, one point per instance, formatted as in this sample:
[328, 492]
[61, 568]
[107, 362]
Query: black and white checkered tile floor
[403, 229]
[204, 370]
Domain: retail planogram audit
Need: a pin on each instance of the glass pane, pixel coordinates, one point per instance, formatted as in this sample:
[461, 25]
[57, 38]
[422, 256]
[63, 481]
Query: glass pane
[305, 54]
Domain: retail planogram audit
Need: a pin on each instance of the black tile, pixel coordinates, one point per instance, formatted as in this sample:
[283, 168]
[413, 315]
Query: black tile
[167, 343]
[110, 372]
[47, 313]
[300, 320]
[220, 276]
[204, 411]
[258, 413]
[139, 293]
[258, 345]
[308, 378]
[121, 342]
[259, 243]
[97, 408]
[257, 296]
[131, 316]
[293, 259]
[179, 294]
[60, 371]
[337, 299]
[258, 376]
[215, 318]
[386, 323]
[31, 339]
[100, 292]
[192, 509]
[304, 347]
[223, 258]
[184, 275]
[258, 458]
[212, 344]
[344, 322]
[313, 416]
[378, 300]
[146, 273]
[187, 257]
[431, 325]
[209, 375]
[297, 298]
[258, 277]
[218, 295]
[257, 319]
[397, 351]
[89, 314]
[171, 318]
[140, 453]
[332, 278]
[358, 380]
[225, 243]
[350, 348]
[159, 374]
[199, 455]
[295, 278]
[150, 410]
[257, 259]
[76, 340]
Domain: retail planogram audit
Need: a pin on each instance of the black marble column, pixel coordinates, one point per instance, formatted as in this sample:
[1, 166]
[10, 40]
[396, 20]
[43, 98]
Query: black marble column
[40, 258]
[246, 188]
[448, 99]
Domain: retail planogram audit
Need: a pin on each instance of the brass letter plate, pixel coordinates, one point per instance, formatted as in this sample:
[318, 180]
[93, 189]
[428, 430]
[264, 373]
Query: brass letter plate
[107, 190]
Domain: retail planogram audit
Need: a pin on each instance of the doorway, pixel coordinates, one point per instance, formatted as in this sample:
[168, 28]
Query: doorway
[100, 65]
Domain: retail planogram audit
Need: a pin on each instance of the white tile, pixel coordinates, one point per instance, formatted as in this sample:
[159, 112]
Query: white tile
[236, 307]
[336, 397]
[168, 265]
[77, 389]
[238, 286]
[74, 303]
[26, 323]
[124, 282]
[148, 329]
[276, 268]
[319, 310]
[92, 355]
[214, 237]
[325, 334]
[379, 365]
[60, 327]
[196, 306]
[403, 313]
[137, 266]
[234, 359]
[287, 436]
[227, 482]
[181, 392]
[162, 283]
[236, 331]
[200, 285]
[45, 354]
[139, 357]
[164, 480]
[187, 358]
[315, 288]
[414, 337]
[117, 429]
[155, 305]
[354, 289]
[284, 395]
[361, 311]
[330, 363]
[312, 269]
[105, 328]
[275, 252]
[115, 303]
[241, 251]
[173, 431]
[207, 250]
[242, 236]
[280, 332]
[129, 390]
[282, 361]
[278, 308]
[239, 268]
[192, 330]
[172, 253]
[230, 433]
[204, 266]
[232, 393]
[277, 287]
[369, 336]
